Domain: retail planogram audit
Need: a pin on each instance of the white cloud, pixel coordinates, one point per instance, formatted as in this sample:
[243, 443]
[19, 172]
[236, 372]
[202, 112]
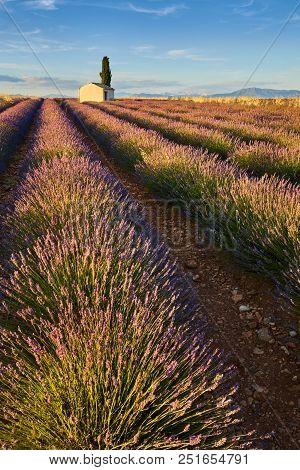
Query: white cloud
[251, 8]
[9, 79]
[295, 17]
[144, 84]
[149, 51]
[26, 33]
[41, 4]
[191, 55]
[10, 65]
[164, 11]
[247, 4]
[45, 82]
[42, 44]
[143, 48]
[178, 53]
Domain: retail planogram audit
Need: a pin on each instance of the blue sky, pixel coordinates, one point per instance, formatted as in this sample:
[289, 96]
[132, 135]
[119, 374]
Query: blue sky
[188, 46]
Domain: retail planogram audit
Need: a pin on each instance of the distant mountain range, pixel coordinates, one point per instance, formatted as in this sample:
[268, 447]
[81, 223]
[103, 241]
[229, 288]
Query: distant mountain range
[56, 95]
[259, 93]
[145, 95]
[246, 92]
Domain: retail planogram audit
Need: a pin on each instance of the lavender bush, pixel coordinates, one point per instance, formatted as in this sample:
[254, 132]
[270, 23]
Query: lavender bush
[101, 353]
[6, 103]
[266, 158]
[14, 123]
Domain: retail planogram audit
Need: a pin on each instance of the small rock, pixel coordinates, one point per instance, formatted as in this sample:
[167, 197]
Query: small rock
[258, 351]
[285, 350]
[237, 298]
[258, 396]
[191, 264]
[264, 335]
[293, 334]
[247, 334]
[196, 278]
[295, 388]
[295, 378]
[252, 292]
[252, 324]
[244, 308]
[249, 316]
[259, 317]
[291, 403]
[259, 389]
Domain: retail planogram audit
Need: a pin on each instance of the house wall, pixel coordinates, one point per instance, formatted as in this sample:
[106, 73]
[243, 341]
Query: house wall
[91, 93]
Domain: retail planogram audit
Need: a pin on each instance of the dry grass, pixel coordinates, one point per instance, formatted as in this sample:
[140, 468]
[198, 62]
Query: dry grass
[292, 102]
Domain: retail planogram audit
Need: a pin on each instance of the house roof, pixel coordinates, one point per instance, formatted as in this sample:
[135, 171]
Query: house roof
[100, 85]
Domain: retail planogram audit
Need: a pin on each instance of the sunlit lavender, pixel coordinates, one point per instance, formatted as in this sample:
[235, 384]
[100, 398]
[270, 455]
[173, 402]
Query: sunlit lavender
[257, 143]
[14, 122]
[258, 217]
[98, 349]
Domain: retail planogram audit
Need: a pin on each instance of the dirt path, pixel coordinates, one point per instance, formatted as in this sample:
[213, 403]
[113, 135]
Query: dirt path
[247, 319]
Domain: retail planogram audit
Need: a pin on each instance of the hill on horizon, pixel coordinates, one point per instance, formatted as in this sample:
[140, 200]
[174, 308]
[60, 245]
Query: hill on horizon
[258, 93]
[247, 92]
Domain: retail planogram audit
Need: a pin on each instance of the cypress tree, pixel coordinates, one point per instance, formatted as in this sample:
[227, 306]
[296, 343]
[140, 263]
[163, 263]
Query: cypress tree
[106, 72]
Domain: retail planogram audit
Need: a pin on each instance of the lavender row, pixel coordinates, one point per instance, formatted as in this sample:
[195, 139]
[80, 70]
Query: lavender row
[257, 219]
[278, 117]
[259, 157]
[5, 103]
[237, 125]
[213, 140]
[14, 122]
[102, 354]
[241, 127]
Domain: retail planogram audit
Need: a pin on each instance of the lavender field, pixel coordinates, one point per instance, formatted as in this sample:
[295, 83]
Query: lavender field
[258, 216]
[105, 343]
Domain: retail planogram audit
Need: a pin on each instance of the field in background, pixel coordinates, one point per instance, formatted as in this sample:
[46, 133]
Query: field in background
[261, 140]
[235, 162]
[8, 100]
[291, 102]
